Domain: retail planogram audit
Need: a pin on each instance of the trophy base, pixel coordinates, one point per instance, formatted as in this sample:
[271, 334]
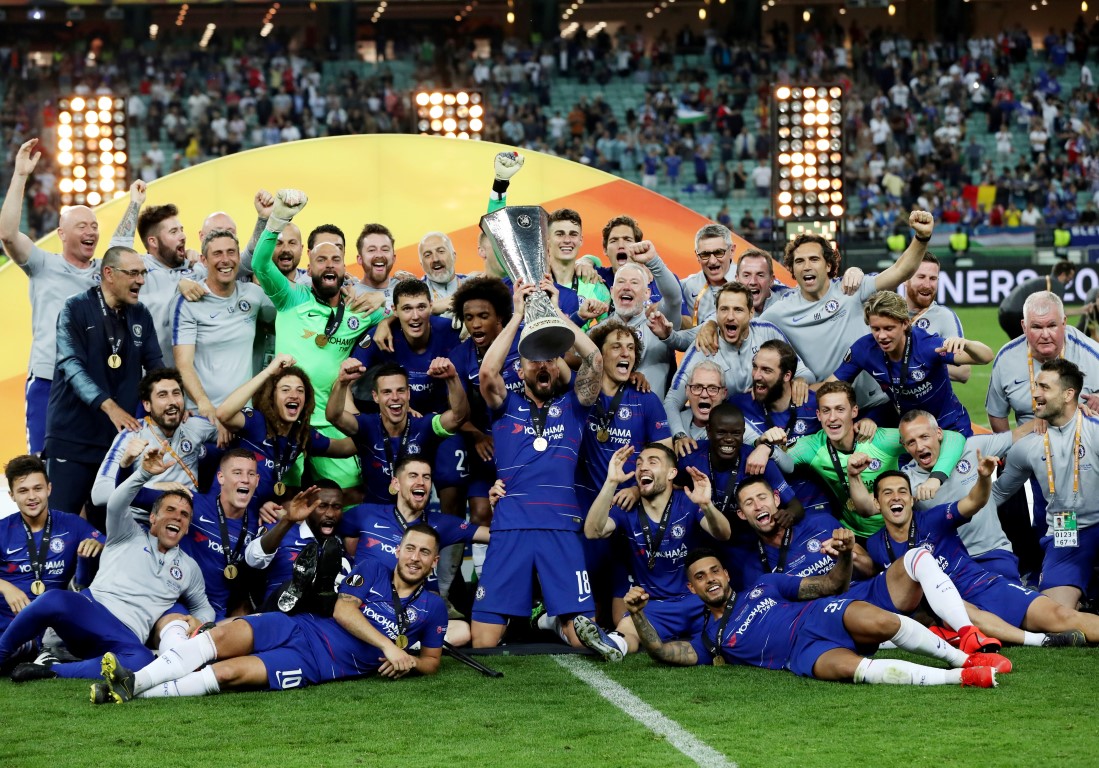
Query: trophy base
[545, 339]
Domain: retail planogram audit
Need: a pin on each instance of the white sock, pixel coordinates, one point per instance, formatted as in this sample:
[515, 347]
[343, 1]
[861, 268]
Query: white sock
[174, 633]
[450, 560]
[939, 590]
[1033, 638]
[898, 672]
[479, 551]
[619, 641]
[184, 658]
[914, 637]
[198, 683]
[552, 624]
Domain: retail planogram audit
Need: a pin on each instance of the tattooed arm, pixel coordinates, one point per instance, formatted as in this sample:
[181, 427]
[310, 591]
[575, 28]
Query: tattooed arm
[678, 653]
[836, 581]
[124, 232]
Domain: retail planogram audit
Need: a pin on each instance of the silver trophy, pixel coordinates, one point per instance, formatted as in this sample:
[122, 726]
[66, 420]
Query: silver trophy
[518, 235]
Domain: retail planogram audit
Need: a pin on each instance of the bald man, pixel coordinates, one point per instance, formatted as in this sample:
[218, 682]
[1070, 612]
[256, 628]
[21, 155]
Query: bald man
[53, 277]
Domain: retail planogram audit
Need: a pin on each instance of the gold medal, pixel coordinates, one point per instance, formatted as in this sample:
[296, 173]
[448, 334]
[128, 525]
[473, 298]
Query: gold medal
[402, 641]
[230, 571]
[114, 361]
[603, 435]
[280, 488]
[849, 505]
[321, 340]
[38, 587]
[719, 661]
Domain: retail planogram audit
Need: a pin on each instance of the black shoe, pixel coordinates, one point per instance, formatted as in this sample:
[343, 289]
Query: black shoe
[1070, 638]
[329, 564]
[39, 669]
[305, 573]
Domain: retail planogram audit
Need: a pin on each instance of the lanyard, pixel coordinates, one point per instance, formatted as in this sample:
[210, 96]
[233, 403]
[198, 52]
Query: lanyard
[167, 446]
[911, 538]
[791, 418]
[698, 299]
[403, 524]
[399, 614]
[111, 326]
[538, 417]
[223, 526]
[38, 559]
[604, 417]
[730, 484]
[653, 541]
[285, 457]
[841, 473]
[335, 319]
[783, 550]
[1075, 458]
[715, 646]
[387, 444]
[902, 381]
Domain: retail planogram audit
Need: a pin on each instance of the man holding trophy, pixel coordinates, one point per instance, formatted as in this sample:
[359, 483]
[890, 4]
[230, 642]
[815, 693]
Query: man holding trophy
[537, 525]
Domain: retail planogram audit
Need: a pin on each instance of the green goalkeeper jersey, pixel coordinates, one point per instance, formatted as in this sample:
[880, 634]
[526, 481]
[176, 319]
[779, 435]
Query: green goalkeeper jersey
[884, 450]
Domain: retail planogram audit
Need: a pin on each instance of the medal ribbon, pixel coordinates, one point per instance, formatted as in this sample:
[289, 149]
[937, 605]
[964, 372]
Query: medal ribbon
[403, 524]
[399, 607]
[894, 389]
[1075, 458]
[715, 646]
[603, 418]
[111, 327]
[841, 473]
[730, 484]
[167, 446]
[387, 443]
[38, 559]
[911, 538]
[223, 526]
[653, 541]
[783, 550]
[538, 417]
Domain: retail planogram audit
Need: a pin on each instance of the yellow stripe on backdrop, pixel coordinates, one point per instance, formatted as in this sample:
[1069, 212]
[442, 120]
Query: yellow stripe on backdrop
[412, 184]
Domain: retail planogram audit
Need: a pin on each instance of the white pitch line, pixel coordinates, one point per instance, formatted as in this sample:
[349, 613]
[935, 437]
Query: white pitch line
[656, 721]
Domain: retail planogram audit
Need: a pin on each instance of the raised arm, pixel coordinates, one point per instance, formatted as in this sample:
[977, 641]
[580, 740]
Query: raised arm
[714, 521]
[856, 488]
[841, 546]
[17, 245]
[923, 223]
[334, 412]
[229, 412]
[979, 494]
[127, 227]
[458, 412]
[288, 203]
[967, 351]
[493, 388]
[598, 523]
[120, 521]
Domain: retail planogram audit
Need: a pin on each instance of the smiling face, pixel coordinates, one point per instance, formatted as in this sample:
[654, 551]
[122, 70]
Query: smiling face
[565, 239]
[810, 269]
[768, 379]
[288, 250]
[895, 501]
[169, 244]
[630, 291]
[1050, 398]
[715, 257]
[391, 393]
[706, 389]
[482, 323]
[755, 273]
[618, 239]
[922, 288]
[416, 557]
[222, 260]
[922, 441]
[238, 478]
[414, 315]
[757, 504]
[376, 257]
[654, 472]
[413, 483]
[324, 519]
[78, 231]
[437, 258]
[541, 377]
[1045, 334]
[171, 521]
[619, 356]
[726, 434]
[733, 316]
[836, 415]
[289, 398]
[890, 334]
[708, 579]
[165, 404]
[326, 269]
[31, 494]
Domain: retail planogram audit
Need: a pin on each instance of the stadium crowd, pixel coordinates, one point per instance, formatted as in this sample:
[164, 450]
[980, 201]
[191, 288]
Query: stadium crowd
[913, 112]
[239, 450]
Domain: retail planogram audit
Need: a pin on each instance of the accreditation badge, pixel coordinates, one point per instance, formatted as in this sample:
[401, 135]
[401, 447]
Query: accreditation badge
[1064, 529]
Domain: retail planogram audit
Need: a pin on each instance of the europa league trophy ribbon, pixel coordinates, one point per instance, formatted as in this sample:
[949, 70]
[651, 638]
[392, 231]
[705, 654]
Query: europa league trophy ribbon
[518, 233]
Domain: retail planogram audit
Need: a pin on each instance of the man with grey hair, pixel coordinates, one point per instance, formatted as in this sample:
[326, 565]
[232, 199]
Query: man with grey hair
[437, 257]
[1045, 337]
[714, 251]
[53, 279]
[209, 335]
[756, 270]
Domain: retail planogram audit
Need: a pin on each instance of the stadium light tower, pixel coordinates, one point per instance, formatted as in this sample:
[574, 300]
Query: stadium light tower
[91, 149]
[454, 114]
[807, 183]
